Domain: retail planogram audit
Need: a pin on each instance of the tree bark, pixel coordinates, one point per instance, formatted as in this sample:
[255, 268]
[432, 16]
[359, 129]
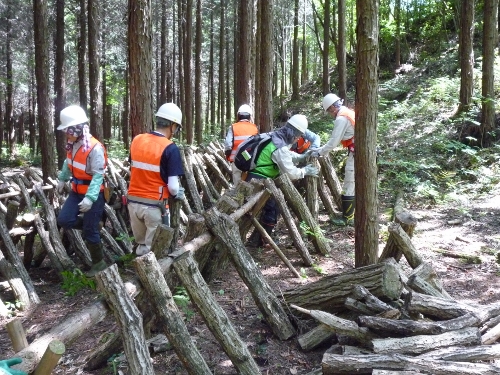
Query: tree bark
[129, 319]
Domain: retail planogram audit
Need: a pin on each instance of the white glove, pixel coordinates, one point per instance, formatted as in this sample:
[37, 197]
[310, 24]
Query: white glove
[180, 194]
[60, 187]
[315, 153]
[311, 170]
[85, 204]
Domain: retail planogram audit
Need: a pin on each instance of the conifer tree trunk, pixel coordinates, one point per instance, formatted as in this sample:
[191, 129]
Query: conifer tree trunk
[466, 54]
[295, 52]
[326, 49]
[187, 109]
[82, 51]
[94, 24]
[366, 236]
[59, 81]
[341, 53]
[265, 119]
[197, 78]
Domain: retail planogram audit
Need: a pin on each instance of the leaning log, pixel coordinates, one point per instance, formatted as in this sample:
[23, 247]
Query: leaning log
[404, 244]
[364, 364]
[226, 231]
[289, 222]
[330, 292]
[425, 343]
[166, 309]
[332, 180]
[425, 278]
[214, 316]
[298, 205]
[315, 337]
[129, 319]
[465, 354]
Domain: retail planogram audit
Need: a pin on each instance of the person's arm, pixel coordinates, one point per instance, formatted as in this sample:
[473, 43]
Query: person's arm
[313, 138]
[339, 128]
[228, 142]
[171, 168]
[65, 173]
[283, 157]
[95, 167]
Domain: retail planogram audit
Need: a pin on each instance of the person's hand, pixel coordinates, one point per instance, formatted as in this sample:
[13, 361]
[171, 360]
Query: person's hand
[315, 153]
[180, 194]
[6, 363]
[85, 204]
[311, 170]
[60, 186]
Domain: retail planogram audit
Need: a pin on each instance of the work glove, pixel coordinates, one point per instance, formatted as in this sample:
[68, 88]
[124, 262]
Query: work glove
[180, 194]
[85, 204]
[315, 153]
[5, 366]
[60, 186]
[303, 156]
[311, 170]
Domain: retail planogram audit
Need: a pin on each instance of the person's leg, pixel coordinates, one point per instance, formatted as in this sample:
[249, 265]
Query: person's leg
[348, 192]
[236, 174]
[136, 213]
[152, 218]
[68, 216]
[91, 235]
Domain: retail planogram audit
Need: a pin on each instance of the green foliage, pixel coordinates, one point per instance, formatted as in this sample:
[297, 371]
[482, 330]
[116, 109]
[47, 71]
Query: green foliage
[13, 307]
[181, 298]
[74, 281]
[318, 269]
[116, 149]
[303, 273]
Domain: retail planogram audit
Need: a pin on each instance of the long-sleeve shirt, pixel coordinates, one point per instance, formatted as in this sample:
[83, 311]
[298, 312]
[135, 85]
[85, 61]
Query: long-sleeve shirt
[342, 130]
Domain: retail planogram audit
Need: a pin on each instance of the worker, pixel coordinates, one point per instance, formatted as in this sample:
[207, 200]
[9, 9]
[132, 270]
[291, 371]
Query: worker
[342, 133]
[276, 159]
[85, 165]
[156, 165]
[236, 134]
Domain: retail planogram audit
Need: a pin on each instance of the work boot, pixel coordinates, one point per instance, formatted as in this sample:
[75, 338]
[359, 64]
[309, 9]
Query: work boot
[270, 229]
[255, 239]
[96, 254]
[348, 208]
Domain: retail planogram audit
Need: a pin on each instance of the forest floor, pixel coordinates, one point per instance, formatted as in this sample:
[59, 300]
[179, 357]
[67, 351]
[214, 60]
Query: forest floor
[463, 226]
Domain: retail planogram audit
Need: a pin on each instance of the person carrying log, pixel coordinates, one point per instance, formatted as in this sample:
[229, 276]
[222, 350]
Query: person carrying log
[85, 166]
[342, 133]
[237, 133]
[275, 159]
[155, 167]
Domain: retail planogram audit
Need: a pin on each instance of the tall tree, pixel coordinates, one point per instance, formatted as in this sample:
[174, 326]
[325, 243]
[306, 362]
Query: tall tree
[140, 57]
[197, 76]
[265, 96]
[82, 52]
[163, 54]
[94, 24]
[243, 84]
[295, 52]
[222, 68]
[466, 55]
[341, 52]
[45, 125]
[9, 84]
[187, 54]
[326, 49]
[490, 40]
[366, 222]
[397, 16]
[59, 81]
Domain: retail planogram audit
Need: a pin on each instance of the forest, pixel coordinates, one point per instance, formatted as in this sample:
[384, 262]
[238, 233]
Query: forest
[423, 78]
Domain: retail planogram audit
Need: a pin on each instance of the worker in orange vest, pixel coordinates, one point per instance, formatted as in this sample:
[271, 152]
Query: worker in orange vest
[236, 134]
[156, 165]
[342, 133]
[85, 165]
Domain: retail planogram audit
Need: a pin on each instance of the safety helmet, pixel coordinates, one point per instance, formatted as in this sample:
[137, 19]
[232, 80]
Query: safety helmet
[330, 99]
[245, 108]
[71, 116]
[171, 112]
[299, 122]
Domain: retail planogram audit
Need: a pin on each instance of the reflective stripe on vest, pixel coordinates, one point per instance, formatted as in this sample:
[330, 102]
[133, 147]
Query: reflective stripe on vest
[146, 185]
[241, 131]
[78, 165]
[349, 114]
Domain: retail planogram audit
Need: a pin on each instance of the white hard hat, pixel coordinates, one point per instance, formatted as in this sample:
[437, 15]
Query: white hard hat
[299, 122]
[171, 112]
[330, 99]
[71, 116]
[245, 108]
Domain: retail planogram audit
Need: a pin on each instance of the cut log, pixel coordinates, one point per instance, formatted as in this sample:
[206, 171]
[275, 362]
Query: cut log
[360, 293]
[12, 211]
[391, 327]
[467, 258]
[425, 343]
[492, 335]
[191, 187]
[109, 343]
[424, 280]
[17, 335]
[289, 222]
[50, 358]
[162, 239]
[119, 231]
[364, 364]
[315, 337]
[298, 205]
[340, 326]
[226, 231]
[332, 180]
[166, 309]
[210, 163]
[330, 292]
[464, 354]
[129, 319]
[214, 316]
[404, 244]
[311, 184]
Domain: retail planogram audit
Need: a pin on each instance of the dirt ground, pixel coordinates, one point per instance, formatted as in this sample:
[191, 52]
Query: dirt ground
[463, 226]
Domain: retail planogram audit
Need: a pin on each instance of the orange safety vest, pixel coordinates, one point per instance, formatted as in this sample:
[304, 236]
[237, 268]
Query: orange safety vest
[349, 113]
[146, 185]
[241, 131]
[301, 146]
[78, 165]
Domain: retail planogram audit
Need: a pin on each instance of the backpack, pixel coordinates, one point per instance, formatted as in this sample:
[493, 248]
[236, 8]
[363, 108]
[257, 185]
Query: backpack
[249, 150]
